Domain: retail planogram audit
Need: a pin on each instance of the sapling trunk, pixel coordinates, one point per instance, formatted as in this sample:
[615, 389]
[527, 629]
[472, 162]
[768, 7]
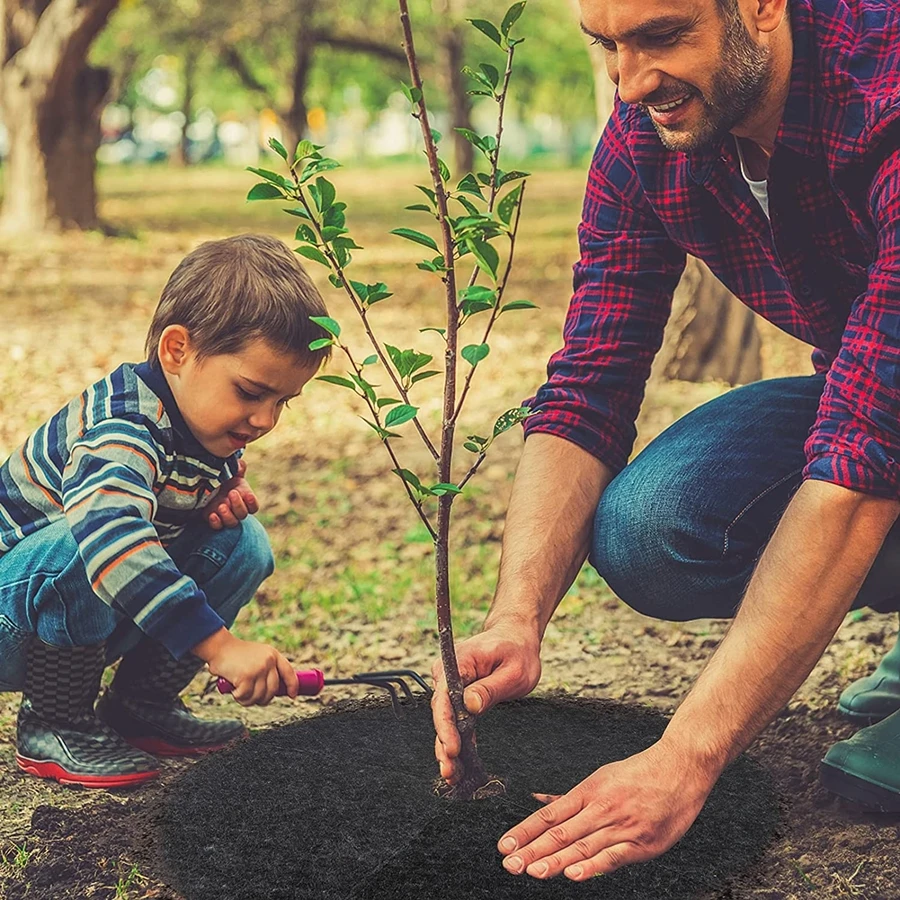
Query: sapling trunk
[325, 240]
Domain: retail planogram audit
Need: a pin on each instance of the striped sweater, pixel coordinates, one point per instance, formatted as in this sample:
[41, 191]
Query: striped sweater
[121, 466]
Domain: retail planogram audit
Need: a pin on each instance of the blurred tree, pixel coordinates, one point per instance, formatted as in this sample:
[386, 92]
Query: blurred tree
[711, 335]
[50, 101]
[452, 33]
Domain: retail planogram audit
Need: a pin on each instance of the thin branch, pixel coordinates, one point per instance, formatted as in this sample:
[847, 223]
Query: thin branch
[473, 470]
[232, 57]
[362, 311]
[496, 153]
[495, 312]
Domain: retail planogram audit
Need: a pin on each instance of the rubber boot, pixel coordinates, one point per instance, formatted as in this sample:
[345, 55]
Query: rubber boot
[142, 704]
[866, 768]
[876, 696]
[58, 734]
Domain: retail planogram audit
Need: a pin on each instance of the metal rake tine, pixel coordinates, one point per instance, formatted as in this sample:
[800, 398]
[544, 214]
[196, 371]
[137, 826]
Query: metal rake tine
[358, 679]
[401, 674]
[380, 678]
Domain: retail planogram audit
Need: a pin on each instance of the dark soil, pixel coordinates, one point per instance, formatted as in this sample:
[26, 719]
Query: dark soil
[341, 806]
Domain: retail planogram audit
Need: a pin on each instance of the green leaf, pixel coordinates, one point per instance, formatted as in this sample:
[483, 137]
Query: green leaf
[444, 488]
[487, 256]
[320, 343]
[379, 431]
[428, 192]
[278, 147]
[478, 93]
[491, 73]
[364, 386]
[319, 165]
[472, 138]
[377, 292]
[506, 207]
[265, 191]
[337, 379]
[475, 353]
[412, 480]
[489, 29]
[304, 150]
[473, 447]
[419, 207]
[416, 236]
[518, 304]
[400, 414]
[511, 176]
[511, 17]
[370, 360]
[444, 170]
[423, 375]
[386, 401]
[484, 178]
[313, 254]
[326, 193]
[478, 292]
[436, 135]
[298, 212]
[305, 233]
[470, 186]
[362, 291]
[344, 243]
[413, 94]
[509, 418]
[273, 177]
[335, 280]
[329, 324]
[469, 207]
[441, 331]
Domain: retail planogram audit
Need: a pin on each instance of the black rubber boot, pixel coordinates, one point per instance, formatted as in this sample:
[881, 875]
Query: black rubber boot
[866, 767]
[58, 734]
[142, 704]
[876, 696]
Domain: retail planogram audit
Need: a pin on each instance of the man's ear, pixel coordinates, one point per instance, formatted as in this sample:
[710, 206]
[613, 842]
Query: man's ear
[767, 15]
[174, 348]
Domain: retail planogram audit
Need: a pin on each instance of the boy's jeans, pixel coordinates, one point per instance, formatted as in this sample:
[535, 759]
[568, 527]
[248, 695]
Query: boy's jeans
[44, 589]
[679, 530]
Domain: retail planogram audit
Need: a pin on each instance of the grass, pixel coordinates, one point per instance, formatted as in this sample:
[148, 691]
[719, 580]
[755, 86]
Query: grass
[15, 857]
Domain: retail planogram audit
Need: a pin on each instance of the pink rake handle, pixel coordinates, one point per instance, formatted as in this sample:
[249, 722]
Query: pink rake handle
[311, 681]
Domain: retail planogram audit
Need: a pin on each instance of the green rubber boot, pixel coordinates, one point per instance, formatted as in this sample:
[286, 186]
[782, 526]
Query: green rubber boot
[876, 696]
[866, 768]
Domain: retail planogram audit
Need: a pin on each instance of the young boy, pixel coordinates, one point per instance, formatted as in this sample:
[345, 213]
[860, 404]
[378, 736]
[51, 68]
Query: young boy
[125, 526]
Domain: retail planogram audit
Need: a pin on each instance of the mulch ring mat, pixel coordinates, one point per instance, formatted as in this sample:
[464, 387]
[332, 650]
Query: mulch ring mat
[341, 806]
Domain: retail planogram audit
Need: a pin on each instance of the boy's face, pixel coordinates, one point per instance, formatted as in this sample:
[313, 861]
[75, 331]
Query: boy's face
[229, 400]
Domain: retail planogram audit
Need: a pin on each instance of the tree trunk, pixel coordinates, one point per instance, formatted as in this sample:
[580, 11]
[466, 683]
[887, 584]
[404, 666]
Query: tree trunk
[295, 119]
[711, 335]
[460, 109]
[183, 155]
[53, 141]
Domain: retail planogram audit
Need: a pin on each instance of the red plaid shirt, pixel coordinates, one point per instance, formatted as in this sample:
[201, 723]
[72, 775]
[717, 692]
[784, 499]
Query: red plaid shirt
[827, 268]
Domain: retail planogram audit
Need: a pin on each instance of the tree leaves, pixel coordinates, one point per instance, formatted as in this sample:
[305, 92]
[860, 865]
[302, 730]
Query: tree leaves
[416, 236]
[265, 191]
[475, 353]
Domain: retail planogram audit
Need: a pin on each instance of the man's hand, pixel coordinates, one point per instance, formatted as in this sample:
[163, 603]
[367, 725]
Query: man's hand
[233, 501]
[501, 663]
[626, 812]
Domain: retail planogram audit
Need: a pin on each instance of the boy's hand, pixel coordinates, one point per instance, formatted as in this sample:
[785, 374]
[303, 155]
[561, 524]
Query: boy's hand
[256, 670]
[234, 501]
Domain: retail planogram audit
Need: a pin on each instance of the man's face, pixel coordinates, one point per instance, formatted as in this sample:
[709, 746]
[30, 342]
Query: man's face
[689, 53]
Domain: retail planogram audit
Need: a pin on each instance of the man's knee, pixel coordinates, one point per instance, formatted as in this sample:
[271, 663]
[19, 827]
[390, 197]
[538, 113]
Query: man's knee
[649, 546]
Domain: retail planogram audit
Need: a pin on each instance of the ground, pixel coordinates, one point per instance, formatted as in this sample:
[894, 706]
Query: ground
[353, 584]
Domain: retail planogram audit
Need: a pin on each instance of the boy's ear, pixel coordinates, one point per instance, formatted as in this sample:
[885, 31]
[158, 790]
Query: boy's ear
[174, 348]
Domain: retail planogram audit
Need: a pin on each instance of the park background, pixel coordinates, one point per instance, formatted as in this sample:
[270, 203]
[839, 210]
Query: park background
[125, 128]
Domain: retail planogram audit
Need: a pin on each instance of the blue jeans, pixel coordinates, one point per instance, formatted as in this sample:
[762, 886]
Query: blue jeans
[678, 531]
[44, 589]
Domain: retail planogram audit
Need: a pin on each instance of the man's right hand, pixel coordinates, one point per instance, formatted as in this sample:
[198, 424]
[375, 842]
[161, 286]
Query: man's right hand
[256, 670]
[501, 663]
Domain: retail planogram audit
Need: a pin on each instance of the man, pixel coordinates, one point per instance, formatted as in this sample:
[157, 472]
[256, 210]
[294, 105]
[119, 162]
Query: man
[761, 136]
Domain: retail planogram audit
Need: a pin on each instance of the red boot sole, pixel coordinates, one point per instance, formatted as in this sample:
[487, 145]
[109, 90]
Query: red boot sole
[157, 747]
[46, 769]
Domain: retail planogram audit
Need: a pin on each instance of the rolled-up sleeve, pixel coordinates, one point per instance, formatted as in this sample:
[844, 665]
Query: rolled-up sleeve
[855, 441]
[623, 285]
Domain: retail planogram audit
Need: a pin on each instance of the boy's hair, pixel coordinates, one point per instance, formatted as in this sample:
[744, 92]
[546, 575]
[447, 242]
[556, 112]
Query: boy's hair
[232, 291]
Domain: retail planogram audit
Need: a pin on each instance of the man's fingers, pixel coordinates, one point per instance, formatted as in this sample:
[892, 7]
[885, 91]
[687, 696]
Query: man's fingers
[549, 817]
[214, 522]
[546, 798]
[606, 861]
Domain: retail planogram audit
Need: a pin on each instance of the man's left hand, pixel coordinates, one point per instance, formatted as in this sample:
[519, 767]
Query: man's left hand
[625, 812]
[234, 501]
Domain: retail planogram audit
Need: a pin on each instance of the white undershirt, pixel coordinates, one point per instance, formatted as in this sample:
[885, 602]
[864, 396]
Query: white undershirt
[759, 189]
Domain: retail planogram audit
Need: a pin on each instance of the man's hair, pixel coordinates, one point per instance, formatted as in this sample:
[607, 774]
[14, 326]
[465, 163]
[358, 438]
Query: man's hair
[229, 292]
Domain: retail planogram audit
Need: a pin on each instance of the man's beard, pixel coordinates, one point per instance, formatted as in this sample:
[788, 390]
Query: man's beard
[739, 85]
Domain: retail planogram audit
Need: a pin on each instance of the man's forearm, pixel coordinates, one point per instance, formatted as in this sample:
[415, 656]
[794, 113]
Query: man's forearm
[805, 583]
[548, 528]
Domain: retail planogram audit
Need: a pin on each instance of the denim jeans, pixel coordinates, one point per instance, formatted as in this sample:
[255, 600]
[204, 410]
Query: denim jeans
[678, 531]
[44, 589]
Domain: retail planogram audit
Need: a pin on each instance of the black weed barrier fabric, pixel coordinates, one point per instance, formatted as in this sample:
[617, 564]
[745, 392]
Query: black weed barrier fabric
[341, 807]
